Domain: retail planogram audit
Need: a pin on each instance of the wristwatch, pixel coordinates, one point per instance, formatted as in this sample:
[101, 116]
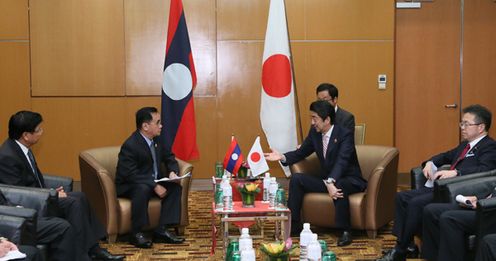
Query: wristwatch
[329, 181]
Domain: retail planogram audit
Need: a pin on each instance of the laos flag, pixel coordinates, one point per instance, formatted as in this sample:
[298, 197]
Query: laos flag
[179, 81]
[233, 158]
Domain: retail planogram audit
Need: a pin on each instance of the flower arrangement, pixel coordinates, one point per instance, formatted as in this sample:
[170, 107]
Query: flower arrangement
[277, 251]
[248, 192]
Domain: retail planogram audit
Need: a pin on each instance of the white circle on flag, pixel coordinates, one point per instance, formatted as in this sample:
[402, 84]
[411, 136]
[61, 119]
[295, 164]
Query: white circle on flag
[234, 156]
[177, 82]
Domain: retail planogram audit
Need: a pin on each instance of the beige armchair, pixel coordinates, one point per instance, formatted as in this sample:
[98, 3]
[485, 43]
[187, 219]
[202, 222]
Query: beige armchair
[371, 209]
[97, 168]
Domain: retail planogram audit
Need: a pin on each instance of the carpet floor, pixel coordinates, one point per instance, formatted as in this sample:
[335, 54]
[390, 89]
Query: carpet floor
[199, 239]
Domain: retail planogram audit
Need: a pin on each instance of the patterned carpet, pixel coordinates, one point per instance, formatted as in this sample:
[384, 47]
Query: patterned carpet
[198, 239]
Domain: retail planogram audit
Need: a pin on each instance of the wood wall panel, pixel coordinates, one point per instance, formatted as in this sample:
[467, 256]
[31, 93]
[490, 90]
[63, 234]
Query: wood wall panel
[427, 78]
[77, 47]
[145, 33]
[337, 19]
[360, 95]
[14, 82]
[14, 20]
[75, 124]
[247, 20]
[479, 63]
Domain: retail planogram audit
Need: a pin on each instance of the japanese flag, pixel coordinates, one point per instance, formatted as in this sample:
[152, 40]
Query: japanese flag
[256, 160]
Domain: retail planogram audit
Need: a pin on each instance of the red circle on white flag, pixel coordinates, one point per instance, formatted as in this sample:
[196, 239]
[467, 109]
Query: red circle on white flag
[255, 157]
[276, 76]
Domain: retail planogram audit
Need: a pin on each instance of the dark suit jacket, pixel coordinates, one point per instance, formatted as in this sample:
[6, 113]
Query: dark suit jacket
[135, 165]
[15, 168]
[345, 119]
[483, 159]
[341, 159]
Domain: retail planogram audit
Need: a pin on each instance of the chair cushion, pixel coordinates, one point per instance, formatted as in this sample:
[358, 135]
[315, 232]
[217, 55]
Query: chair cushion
[318, 209]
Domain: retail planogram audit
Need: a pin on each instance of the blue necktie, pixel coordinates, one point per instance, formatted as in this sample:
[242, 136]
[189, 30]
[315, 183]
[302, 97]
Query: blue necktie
[154, 157]
[34, 167]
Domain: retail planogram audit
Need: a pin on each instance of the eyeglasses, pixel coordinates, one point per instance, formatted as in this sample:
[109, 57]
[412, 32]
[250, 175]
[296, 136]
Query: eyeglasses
[465, 124]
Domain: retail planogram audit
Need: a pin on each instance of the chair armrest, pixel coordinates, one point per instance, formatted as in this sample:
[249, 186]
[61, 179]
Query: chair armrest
[309, 165]
[486, 217]
[442, 191]
[52, 181]
[185, 168]
[381, 189]
[44, 201]
[480, 187]
[29, 217]
[12, 228]
[417, 178]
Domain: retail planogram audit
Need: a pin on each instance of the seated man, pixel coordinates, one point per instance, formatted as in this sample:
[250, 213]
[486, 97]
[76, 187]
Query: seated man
[138, 166]
[340, 176]
[328, 92]
[446, 226]
[476, 153]
[55, 232]
[487, 248]
[18, 167]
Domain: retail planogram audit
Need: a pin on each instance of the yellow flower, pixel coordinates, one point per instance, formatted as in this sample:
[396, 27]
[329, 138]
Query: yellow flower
[274, 248]
[250, 187]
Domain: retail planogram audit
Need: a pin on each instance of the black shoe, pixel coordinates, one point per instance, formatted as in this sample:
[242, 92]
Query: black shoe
[412, 252]
[166, 237]
[393, 255]
[103, 254]
[345, 239]
[139, 240]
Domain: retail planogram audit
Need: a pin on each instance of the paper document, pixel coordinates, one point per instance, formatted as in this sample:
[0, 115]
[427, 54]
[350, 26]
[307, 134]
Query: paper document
[430, 182]
[168, 179]
[14, 254]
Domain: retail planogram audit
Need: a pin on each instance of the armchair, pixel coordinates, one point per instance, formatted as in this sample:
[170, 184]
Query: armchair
[371, 209]
[98, 168]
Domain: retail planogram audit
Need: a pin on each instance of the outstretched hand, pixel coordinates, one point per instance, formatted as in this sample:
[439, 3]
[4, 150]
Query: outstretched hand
[273, 155]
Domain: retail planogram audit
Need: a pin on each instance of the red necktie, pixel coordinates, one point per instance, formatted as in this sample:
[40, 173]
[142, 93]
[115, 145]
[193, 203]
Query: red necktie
[462, 155]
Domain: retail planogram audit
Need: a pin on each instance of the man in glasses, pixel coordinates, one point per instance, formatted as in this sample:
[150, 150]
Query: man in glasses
[476, 153]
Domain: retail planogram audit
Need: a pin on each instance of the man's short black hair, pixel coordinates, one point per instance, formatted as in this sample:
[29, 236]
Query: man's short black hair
[324, 110]
[144, 115]
[23, 121]
[330, 88]
[481, 113]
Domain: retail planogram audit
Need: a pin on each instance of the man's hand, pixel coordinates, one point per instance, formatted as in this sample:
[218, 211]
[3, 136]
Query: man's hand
[160, 191]
[61, 192]
[334, 192]
[427, 170]
[274, 155]
[445, 174]
[6, 246]
[173, 175]
[473, 201]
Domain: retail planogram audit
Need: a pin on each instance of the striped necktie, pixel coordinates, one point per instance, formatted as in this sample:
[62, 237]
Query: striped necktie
[462, 156]
[325, 143]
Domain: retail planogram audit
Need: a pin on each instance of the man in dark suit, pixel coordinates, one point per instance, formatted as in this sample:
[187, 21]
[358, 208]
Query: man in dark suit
[18, 167]
[328, 92]
[55, 232]
[139, 165]
[476, 153]
[340, 176]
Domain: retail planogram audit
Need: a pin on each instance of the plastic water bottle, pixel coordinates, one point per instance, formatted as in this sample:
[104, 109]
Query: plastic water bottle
[314, 251]
[248, 255]
[227, 193]
[305, 237]
[266, 184]
[272, 192]
[245, 240]
[219, 198]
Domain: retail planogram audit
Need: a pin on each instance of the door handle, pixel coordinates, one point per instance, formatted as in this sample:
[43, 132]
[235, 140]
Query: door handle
[451, 106]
